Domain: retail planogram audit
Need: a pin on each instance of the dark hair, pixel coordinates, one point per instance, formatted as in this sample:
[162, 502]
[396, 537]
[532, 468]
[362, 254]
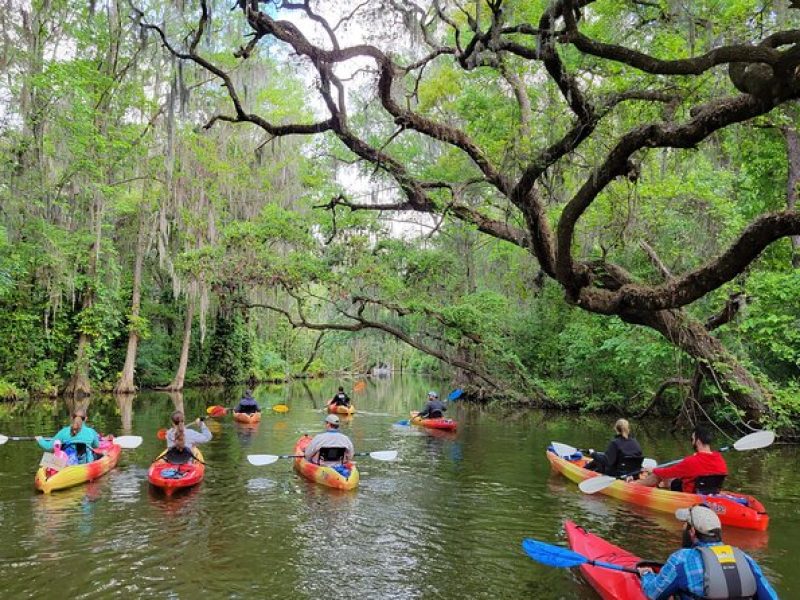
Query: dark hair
[704, 434]
[714, 536]
[341, 389]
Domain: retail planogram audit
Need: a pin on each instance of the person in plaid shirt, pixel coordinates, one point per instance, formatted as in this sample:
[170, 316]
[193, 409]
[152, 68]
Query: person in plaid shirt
[705, 567]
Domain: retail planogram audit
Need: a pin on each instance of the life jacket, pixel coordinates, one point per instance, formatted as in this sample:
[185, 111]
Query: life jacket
[726, 573]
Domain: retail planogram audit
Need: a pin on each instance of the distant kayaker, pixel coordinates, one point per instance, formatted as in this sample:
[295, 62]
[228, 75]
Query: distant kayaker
[623, 455]
[76, 439]
[331, 447]
[182, 439]
[434, 408]
[340, 399]
[682, 477]
[705, 567]
[248, 404]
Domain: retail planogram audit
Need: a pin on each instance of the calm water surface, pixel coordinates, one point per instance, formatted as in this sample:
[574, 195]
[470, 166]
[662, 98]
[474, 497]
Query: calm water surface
[444, 521]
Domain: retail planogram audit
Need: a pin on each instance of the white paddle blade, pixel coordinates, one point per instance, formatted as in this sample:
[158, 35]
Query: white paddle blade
[384, 455]
[129, 442]
[563, 450]
[649, 464]
[3, 439]
[261, 460]
[596, 484]
[756, 440]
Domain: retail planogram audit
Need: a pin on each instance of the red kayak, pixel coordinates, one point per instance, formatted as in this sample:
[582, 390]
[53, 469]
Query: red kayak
[610, 584]
[170, 477]
[441, 423]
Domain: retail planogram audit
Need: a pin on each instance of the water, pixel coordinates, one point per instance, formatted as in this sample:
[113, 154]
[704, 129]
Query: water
[444, 521]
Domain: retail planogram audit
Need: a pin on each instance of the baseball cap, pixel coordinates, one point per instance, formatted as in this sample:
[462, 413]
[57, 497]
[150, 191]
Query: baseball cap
[433, 395]
[332, 419]
[702, 518]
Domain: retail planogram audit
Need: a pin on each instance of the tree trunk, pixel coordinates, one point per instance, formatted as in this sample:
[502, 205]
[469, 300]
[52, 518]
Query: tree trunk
[793, 183]
[125, 384]
[715, 362]
[125, 405]
[180, 374]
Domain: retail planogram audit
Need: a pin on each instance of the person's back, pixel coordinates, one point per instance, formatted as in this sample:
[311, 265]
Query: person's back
[331, 438]
[341, 399]
[434, 408]
[181, 437]
[248, 404]
[706, 568]
[620, 452]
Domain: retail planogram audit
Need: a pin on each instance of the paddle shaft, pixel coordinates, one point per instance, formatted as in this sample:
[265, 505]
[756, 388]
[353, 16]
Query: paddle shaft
[607, 565]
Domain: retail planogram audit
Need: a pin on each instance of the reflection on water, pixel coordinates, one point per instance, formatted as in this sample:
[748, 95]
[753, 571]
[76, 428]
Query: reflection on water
[443, 521]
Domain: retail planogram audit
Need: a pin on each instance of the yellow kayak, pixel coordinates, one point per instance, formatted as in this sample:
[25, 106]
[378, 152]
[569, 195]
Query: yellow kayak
[77, 474]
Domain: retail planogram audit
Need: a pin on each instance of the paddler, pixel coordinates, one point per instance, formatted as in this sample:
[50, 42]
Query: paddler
[180, 440]
[623, 455]
[331, 447]
[705, 567]
[76, 439]
[340, 399]
[248, 404]
[434, 408]
[703, 463]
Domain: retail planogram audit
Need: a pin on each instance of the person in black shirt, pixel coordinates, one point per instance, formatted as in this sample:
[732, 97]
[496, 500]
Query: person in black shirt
[622, 447]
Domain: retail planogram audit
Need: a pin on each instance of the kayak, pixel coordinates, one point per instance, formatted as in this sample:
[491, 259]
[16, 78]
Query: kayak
[610, 584]
[439, 423]
[344, 477]
[342, 410]
[77, 474]
[737, 510]
[170, 477]
[251, 418]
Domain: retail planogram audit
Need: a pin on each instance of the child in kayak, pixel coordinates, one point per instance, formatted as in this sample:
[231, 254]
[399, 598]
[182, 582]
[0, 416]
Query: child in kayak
[623, 455]
[703, 463]
[77, 439]
[180, 440]
[248, 404]
[330, 448]
[705, 567]
[434, 408]
[340, 399]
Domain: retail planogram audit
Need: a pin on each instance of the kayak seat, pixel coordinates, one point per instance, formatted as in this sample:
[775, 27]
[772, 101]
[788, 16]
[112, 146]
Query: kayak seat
[627, 464]
[332, 454]
[708, 484]
[178, 457]
[436, 414]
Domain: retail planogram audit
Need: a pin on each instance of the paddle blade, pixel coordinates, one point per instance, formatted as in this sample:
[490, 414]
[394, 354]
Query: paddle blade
[129, 442]
[596, 484]
[552, 556]
[360, 386]
[3, 439]
[754, 441]
[261, 460]
[281, 408]
[563, 450]
[384, 455]
[216, 411]
[455, 394]
[161, 434]
[648, 464]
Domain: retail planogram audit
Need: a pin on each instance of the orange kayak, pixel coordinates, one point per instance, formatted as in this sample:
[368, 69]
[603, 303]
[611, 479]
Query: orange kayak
[438, 423]
[170, 477]
[247, 418]
[329, 476]
[341, 410]
[77, 474]
[737, 510]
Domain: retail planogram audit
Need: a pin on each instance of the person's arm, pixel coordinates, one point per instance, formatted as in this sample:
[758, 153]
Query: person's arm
[425, 411]
[313, 448]
[669, 581]
[170, 438]
[611, 455]
[63, 435]
[764, 590]
[680, 470]
[199, 437]
[349, 450]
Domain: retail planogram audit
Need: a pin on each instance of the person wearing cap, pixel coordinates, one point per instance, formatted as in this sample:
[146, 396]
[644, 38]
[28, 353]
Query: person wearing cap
[434, 408]
[76, 439]
[331, 438]
[682, 476]
[340, 399]
[705, 567]
[248, 404]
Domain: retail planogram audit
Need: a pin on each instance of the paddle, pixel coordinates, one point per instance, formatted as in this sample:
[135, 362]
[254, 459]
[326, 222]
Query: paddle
[564, 450]
[455, 394]
[281, 408]
[129, 442]
[556, 556]
[261, 460]
[753, 441]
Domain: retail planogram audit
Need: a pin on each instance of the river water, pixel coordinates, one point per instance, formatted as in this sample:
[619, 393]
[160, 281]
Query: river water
[444, 521]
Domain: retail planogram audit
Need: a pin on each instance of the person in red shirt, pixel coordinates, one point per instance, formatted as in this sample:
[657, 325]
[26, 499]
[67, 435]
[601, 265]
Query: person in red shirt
[681, 477]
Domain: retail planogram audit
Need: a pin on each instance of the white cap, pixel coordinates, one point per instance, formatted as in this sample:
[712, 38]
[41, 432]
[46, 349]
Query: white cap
[702, 518]
[332, 419]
